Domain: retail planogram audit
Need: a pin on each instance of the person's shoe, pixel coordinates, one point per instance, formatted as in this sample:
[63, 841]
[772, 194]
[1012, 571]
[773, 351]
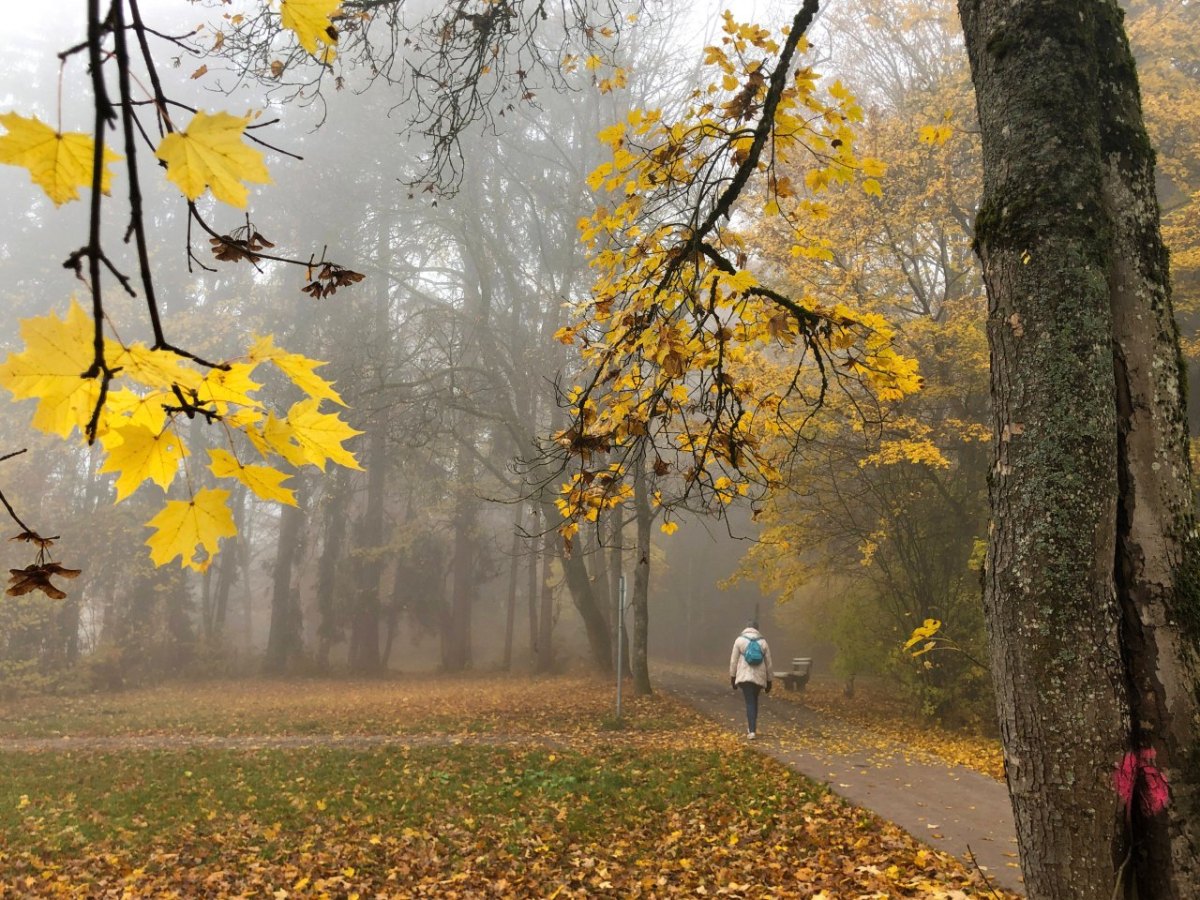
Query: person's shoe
[750, 736]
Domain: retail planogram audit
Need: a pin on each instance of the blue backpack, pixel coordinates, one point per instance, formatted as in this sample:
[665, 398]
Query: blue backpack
[753, 653]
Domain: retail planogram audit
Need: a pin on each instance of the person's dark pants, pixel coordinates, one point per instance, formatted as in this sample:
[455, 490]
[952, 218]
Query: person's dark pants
[750, 692]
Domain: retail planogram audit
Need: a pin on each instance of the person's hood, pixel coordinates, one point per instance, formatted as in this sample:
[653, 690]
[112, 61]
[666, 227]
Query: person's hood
[752, 633]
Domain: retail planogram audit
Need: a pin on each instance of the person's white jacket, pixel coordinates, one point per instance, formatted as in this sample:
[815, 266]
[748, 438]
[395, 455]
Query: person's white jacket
[740, 670]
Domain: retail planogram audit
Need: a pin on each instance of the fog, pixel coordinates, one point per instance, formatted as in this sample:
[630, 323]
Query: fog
[442, 552]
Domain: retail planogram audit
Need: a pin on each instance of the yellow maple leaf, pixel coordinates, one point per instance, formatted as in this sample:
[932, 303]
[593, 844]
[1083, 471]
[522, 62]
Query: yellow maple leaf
[264, 481]
[189, 528]
[126, 407]
[319, 435]
[50, 369]
[210, 154]
[300, 369]
[311, 21]
[140, 454]
[58, 163]
[275, 435]
[224, 387]
[925, 630]
[153, 368]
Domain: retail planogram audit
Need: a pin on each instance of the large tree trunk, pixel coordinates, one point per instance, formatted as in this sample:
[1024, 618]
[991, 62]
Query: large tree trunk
[1089, 594]
[584, 597]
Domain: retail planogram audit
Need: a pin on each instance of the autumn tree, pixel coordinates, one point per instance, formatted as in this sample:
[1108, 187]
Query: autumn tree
[1092, 541]
[1091, 533]
[890, 512]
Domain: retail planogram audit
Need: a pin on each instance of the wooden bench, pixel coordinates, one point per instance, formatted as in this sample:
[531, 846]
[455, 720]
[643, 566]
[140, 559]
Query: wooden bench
[797, 679]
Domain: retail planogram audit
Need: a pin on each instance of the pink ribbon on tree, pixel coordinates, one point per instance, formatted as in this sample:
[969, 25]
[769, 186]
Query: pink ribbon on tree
[1137, 774]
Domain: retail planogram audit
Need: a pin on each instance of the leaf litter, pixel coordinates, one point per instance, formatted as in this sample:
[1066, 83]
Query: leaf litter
[571, 804]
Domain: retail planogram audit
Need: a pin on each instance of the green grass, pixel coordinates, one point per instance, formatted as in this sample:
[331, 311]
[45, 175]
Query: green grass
[52, 803]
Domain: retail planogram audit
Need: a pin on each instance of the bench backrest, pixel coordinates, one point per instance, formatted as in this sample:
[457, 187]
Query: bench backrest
[801, 664]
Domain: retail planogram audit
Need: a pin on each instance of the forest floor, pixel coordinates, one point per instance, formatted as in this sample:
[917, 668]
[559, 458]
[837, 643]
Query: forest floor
[456, 787]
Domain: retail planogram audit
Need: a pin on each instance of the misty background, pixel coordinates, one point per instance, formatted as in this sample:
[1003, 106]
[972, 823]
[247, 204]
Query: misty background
[442, 554]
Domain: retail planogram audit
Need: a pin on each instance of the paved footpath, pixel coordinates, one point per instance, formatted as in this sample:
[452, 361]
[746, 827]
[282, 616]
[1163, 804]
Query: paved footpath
[947, 807]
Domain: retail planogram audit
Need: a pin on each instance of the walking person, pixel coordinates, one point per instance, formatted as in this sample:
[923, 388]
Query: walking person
[750, 669]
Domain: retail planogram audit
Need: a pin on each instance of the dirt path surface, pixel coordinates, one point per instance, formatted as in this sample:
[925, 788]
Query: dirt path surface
[948, 807]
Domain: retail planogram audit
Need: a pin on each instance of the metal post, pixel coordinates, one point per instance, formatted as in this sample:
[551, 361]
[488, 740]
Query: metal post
[620, 622]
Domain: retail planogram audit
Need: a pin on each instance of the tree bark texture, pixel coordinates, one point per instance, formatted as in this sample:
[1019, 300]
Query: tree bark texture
[1091, 586]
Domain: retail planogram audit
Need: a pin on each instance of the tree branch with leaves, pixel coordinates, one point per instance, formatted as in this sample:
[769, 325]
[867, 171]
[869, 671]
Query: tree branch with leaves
[678, 316]
[130, 396]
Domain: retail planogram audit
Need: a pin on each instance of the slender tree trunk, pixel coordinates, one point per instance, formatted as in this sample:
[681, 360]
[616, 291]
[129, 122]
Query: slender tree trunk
[329, 629]
[1091, 585]
[544, 658]
[641, 581]
[227, 572]
[510, 612]
[534, 561]
[283, 640]
[1158, 560]
[457, 640]
[616, 565]
[365, 658]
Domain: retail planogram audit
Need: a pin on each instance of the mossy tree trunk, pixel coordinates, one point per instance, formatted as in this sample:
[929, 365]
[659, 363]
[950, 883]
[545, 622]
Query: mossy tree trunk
[1088, 598]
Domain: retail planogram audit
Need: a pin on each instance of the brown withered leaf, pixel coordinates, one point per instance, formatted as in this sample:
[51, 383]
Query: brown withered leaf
[34, 538]
[37, 578]
[200, 72]
[661, 466]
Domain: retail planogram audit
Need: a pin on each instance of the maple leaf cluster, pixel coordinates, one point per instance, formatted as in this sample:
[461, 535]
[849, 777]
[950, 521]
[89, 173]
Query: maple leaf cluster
[137, 423]
[129, 397]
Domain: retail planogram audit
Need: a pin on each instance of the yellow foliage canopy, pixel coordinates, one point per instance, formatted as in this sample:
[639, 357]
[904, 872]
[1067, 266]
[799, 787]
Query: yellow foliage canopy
[676, 315]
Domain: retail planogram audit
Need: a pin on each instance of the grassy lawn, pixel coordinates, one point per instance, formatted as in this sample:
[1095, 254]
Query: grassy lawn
[573, 807]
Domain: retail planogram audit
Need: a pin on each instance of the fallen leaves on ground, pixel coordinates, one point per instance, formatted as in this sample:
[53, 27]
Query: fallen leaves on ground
[664, 805]
[875, 709]
[875, 724]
